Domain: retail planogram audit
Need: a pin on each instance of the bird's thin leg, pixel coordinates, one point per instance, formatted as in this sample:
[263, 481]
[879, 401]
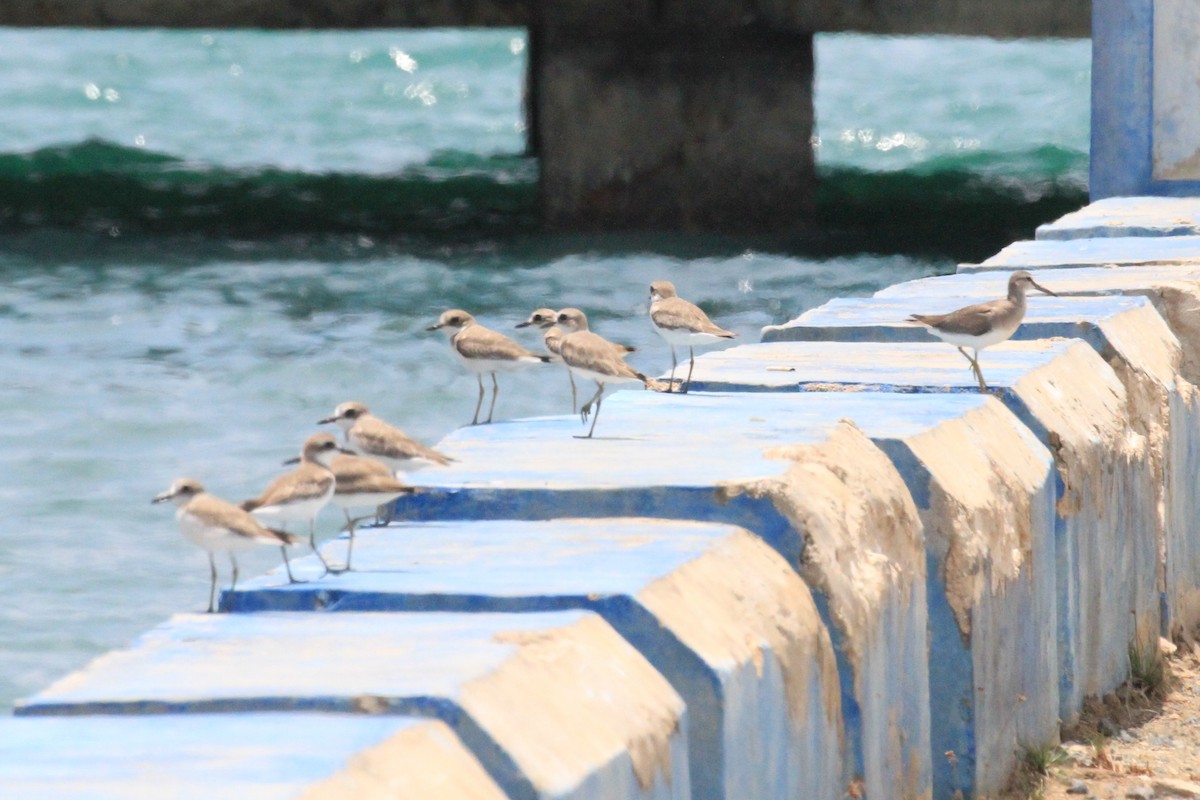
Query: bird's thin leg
[587, 407]
[479, 402]
[495, 391]
[383, 514]
[671, 381]
[983, 387]
[691, 366]
[312, 543]
[350, 547]
[574, 397]
[212, 586]
[288, 564]
[599, 400]
[233, 563]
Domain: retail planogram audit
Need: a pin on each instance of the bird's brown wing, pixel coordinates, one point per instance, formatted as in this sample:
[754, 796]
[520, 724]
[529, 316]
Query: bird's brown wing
[973, 320]
[382, 439]
[674, 313]
[480, 342]
[308, 480]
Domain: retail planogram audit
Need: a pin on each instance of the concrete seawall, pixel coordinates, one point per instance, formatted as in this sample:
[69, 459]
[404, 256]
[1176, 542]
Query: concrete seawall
[835, 568]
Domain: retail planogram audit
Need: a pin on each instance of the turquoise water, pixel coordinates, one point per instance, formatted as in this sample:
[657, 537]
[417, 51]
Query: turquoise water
[208, 240]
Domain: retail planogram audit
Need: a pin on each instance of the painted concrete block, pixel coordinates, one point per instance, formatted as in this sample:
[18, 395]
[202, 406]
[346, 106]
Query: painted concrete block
[245, 756]
[552, 705]
[809, 484]
[1111, 483]
[986, 488]
[715, 610]
[1159, 363]
[1101, 252]
[1127, 216]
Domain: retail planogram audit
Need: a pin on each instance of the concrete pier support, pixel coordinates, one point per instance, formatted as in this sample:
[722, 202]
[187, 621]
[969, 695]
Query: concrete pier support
[673, 128]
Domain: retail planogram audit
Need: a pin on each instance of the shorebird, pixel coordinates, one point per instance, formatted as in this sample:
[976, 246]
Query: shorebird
[362, 482]
[368, 435]
[591, 356]
[483, 351]
[545, 318]
[299, 495]
[218, 525]
[983, 324]
[681, 322]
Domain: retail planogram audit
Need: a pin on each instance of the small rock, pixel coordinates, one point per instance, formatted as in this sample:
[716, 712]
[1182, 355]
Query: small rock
[1140, 793]
[1077, 787]
[1177, 788]
[1108, 727]
[1126, 737]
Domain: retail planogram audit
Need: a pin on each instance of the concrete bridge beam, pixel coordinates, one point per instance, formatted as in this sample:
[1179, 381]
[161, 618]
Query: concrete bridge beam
[678, 129]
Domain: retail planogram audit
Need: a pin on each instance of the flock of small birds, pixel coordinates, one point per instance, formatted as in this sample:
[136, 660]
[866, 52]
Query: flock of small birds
[362, 471]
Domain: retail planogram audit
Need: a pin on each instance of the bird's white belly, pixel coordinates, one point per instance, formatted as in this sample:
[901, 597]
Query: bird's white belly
[601, 377]
[299, 511]
[994, 336]
[483, 366]
[682, 336]
[364, 499]
[213, 538]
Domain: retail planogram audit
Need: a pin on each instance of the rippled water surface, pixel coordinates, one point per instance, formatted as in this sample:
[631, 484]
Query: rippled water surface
[208, 240]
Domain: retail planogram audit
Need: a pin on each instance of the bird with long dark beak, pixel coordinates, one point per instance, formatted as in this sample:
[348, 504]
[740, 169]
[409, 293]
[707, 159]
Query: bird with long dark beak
[367, 435]
[983, 324]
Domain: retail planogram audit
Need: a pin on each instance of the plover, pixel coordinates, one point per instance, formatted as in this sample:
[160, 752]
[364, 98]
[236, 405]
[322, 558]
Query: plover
[368, 435]
[362, 482]
[591, 356]
[483, 351]
[680, 323]
[299, 495]
[983, 324]
[219, 526]
[545, 318]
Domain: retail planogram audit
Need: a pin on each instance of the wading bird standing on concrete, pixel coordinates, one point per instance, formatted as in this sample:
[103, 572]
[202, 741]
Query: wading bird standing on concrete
[367, 435]
[545, 318]
[360, 483]
[299, 495]
[483, 351]
[593, 357]
[680, 323]
[217, 525]
[983, 324]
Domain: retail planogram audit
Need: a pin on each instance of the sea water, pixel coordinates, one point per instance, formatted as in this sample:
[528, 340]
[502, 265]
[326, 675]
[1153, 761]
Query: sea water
[208, 239]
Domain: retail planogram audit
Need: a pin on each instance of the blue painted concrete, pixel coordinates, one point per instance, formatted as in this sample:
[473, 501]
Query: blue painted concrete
[737, 710]
[1174, 291]
[1127, 216]
[487, 484]
[1022, 617]
[194, 757]
[1090, 542]
[883, 319]
[1122, 92]
[1120, 251]
[427, 665]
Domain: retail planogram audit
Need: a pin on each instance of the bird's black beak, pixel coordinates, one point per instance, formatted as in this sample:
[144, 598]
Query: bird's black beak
[434, 327]
[162, 498]
[1041, 288]
[327, 420]
[525, 324]
[293, 460]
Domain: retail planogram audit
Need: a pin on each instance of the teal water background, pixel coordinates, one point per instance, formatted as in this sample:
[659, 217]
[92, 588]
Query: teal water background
[209, 239]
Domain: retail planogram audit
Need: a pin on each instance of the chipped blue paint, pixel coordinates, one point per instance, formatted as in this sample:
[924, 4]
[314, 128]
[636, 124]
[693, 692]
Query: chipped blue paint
[253, 756]
[598, 565]
[1127, 216]
[1125, 251]
[416, 665]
